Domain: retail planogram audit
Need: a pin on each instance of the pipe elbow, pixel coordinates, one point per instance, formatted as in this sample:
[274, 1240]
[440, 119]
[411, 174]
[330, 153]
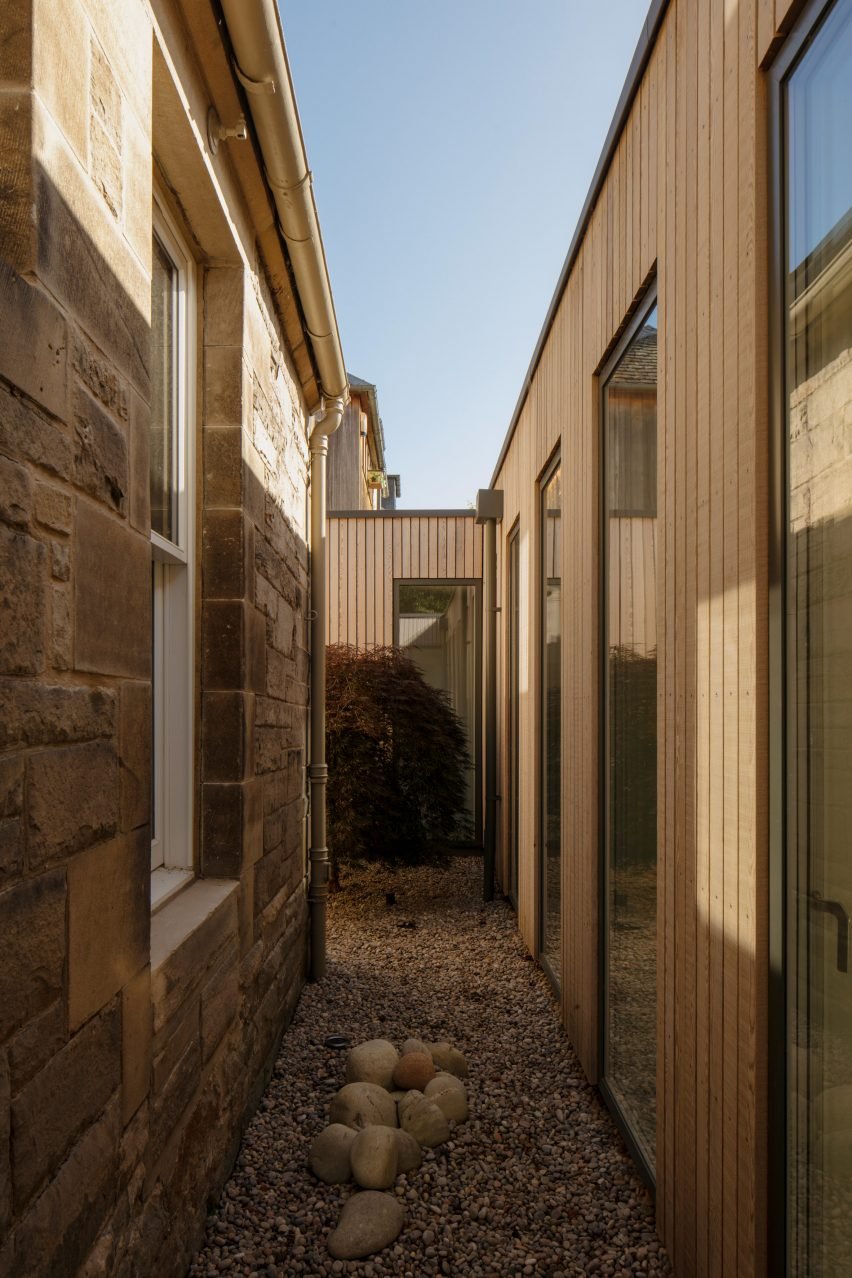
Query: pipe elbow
[330, 418]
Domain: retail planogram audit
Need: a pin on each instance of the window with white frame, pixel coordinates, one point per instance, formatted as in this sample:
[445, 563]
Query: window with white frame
[172, 540]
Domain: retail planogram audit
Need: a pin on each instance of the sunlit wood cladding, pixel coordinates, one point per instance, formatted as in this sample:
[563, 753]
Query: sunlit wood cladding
[367, 553]
[685, 199]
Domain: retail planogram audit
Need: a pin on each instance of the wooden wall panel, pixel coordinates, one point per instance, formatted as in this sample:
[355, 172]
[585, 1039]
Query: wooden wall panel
[368, 552]
[684, 198]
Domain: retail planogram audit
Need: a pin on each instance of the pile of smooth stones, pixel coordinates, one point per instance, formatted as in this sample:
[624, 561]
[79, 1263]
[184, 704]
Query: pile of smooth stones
[394, 1104]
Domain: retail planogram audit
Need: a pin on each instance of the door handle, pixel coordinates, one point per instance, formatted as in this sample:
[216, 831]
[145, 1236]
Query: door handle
[836, 910]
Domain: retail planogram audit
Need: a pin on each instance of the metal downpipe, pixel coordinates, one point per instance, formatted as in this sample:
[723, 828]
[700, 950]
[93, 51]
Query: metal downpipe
[318, 769]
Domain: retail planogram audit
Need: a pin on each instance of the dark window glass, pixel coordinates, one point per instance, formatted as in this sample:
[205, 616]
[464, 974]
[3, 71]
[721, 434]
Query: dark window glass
[513, 711]
[164, 387]
[630, 621]
[551, 716]
[817, 123]
[437, 623]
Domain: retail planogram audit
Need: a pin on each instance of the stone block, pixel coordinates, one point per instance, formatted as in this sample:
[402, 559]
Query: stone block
[223, 482]
[100, 453]
[136, 1029]
[5, 1149]
[17, 230]
[62, 629]
[61, 65]
[72, 794]
[223, 644]
[169, 1045]
[108, 921]
[32, 1047]
[34, 350]
[11, 850]
[169, 1105]
[99, 377]
[57, 1233]
[112, 589]
[221, 830]
[134, 748]
[223, 555]
[16, 494]
[83, 260]
[227, 735]
[105, 95]
[186, 937]
[60, 561]
[25, 433]
[56, 1106]
[11, 786]
[16, 44]
[41, 714]
[105, 166]
[256, 649]
[138, 178]
[140, 475]
[224, 296]
[23, 600]
[220, 1001]
[54, 508]
[223, 386]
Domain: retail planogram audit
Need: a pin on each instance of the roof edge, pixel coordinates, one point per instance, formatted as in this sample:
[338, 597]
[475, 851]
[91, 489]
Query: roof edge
[639, 62]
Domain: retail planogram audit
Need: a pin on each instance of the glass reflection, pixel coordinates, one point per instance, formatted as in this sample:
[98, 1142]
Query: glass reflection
[630, 449]
[551, 694]
[437, 625]
[818, 271]
[164, 424]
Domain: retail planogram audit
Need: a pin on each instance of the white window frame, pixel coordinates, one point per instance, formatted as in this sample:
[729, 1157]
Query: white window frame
[173, 629]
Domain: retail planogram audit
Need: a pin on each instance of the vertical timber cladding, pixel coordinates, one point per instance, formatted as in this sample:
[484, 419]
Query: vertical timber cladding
[367, 552]
[683, 199]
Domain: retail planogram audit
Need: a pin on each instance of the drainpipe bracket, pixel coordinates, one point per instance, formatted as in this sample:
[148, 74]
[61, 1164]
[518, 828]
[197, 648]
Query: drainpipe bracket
[266, 86]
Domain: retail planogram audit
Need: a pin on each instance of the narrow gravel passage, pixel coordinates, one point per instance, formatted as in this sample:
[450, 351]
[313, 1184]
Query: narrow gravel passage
[537, 1182]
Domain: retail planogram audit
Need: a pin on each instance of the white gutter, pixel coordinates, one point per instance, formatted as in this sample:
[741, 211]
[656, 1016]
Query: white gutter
[254, 27]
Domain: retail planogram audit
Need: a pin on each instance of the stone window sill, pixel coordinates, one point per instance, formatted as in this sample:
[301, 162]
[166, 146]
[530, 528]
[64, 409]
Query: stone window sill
[165, 884]
[187, 913]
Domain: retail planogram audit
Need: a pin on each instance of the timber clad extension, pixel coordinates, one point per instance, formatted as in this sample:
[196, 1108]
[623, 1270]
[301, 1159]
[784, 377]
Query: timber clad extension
[680, 210]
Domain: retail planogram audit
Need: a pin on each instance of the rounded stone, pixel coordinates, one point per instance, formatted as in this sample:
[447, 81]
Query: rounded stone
[423, 1120]
[369, 1222]
[409, 1154]
[413, 1045]
[450, 1095]
[372, 1062]
[414, 1069]
[374, 1156]
[408, 1099]
[329, 1158]
[360, 1105]
[448, 1058]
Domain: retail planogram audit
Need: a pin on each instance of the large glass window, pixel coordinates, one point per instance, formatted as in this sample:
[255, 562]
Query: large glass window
[630, 733]
[550, 854]
[437, 622]
[171, 471]
[816, 115]
[513, 715]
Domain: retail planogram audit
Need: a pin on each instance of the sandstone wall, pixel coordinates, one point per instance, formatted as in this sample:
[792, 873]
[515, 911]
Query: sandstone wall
[132, 1048]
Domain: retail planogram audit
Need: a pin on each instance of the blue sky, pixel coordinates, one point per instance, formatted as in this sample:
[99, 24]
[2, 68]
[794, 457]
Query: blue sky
[452, 145]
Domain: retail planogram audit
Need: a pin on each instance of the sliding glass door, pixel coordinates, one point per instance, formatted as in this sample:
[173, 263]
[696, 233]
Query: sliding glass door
[550, 845]
[630, 733]
[815, 104]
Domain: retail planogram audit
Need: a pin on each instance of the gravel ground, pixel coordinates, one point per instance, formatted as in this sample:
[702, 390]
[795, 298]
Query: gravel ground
[537, 1182]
